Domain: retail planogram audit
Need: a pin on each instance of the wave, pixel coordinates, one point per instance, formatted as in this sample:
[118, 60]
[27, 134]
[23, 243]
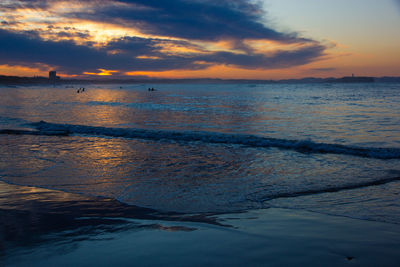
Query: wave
[29, 132]
[303, 146]
[259, 197]
[148, 105]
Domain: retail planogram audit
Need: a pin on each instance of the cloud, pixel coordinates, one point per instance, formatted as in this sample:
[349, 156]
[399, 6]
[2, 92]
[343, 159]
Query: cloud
[27, 50]
[189, 19]
[179, 33]
[323, 69]
[195, 20]
[34, 4]
[279, 59]
[22, 49]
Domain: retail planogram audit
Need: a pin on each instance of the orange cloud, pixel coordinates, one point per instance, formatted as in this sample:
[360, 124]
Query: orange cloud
[22, 71]
[220, 72]
[102, 72]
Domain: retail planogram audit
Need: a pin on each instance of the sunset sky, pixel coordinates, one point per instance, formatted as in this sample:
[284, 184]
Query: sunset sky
[269, 39]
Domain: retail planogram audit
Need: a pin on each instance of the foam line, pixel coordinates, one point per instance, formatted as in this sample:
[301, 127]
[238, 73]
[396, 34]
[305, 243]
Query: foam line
[303, 146]
[257, 198]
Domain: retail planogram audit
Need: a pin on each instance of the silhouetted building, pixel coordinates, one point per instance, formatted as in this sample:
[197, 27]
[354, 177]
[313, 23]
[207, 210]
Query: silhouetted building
[52, 75]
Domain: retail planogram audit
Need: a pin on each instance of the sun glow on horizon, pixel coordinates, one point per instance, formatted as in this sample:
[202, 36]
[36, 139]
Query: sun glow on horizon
[102, 72]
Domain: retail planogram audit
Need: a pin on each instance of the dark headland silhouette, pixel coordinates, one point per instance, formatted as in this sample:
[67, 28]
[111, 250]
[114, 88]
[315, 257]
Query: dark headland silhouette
[54, 79]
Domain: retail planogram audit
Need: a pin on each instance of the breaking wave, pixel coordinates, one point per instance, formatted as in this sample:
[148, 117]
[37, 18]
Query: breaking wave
[304, 146]
[261, 197]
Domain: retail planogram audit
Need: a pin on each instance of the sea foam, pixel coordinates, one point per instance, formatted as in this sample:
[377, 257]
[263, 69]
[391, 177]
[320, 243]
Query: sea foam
[304, 146]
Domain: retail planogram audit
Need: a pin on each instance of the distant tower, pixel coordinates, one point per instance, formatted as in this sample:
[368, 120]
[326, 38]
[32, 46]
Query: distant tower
[52, 75]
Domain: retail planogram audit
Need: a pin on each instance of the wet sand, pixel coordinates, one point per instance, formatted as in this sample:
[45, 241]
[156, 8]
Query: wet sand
[40, 227]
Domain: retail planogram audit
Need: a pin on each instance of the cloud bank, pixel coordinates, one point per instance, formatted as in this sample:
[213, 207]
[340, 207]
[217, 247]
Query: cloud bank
[147, 35]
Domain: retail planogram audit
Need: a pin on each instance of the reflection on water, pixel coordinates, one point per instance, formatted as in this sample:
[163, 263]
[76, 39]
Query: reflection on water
[32, 217]
[40, 227]
[348, 114]
[183, 177]
[192, 176]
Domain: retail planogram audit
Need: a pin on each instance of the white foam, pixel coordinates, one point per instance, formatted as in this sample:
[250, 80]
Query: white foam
[304, 146]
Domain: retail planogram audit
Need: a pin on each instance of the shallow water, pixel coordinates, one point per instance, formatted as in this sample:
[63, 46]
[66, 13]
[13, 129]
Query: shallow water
[331, 148]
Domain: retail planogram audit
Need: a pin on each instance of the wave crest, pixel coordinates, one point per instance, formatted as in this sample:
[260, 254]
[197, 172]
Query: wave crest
[304, 146]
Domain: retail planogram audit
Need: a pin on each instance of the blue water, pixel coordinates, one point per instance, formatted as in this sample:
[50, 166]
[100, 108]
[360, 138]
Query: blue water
[330, 148]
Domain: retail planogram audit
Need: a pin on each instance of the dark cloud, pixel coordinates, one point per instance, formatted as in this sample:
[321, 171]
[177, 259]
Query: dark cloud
[279, 59]
[190, 19]
[133, 46]
[72, 34]
[28, 50]
[32, 4]
[21, 49]
[199, 20]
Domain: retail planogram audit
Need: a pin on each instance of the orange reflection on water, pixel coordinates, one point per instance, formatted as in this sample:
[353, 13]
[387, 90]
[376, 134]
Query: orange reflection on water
[97, 106]
[12, 196]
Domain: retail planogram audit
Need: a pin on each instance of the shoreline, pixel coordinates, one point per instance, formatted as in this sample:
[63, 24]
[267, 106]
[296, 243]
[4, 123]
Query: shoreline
[42, 227]
[17, 80]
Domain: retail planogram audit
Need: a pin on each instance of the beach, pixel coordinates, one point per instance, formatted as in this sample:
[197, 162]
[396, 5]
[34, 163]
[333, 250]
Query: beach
[41, 227]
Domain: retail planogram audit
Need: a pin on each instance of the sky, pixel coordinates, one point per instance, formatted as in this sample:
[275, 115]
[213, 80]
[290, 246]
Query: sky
[231, 39]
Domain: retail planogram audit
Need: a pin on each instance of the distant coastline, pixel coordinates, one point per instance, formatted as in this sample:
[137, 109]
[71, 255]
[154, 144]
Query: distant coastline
[17, 80]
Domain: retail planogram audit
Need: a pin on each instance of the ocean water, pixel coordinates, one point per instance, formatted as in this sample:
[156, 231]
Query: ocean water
[193, 148]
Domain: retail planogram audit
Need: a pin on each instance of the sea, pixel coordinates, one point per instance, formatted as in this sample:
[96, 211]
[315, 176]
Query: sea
[329, 148]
